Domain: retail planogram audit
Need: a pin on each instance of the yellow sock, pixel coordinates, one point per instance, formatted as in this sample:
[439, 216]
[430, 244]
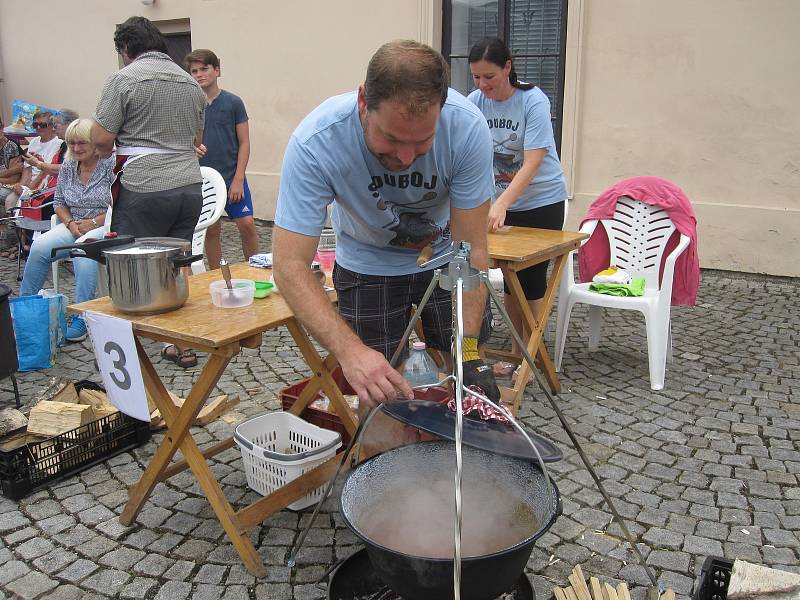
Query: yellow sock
[470, 348]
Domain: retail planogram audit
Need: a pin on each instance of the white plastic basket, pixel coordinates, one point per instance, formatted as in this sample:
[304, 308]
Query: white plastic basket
[279, 447]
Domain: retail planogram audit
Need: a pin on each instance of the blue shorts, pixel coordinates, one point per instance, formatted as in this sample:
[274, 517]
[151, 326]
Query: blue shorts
[243, 208]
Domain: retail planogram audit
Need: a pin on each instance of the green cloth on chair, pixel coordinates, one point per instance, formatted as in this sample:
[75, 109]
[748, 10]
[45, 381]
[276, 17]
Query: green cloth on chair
[634, 288]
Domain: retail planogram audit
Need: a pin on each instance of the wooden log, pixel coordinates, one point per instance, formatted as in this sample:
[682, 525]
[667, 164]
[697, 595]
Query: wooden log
[579, 585]
[50, 418]
[622, 591]
[581, 580]
[571, 595]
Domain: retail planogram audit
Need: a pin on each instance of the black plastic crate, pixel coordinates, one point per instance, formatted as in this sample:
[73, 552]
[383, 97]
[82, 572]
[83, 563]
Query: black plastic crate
[714, 579]
[36, 464]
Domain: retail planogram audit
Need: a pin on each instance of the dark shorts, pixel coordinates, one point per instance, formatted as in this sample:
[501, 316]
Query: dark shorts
[243, 208]
[378, 308]
[534, 279]
[171, 213]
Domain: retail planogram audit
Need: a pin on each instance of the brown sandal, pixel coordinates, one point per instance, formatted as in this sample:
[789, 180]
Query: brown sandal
[185, 359]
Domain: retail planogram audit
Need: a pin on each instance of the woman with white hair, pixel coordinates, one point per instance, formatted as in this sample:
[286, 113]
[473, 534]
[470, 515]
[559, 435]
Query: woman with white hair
[81, 201]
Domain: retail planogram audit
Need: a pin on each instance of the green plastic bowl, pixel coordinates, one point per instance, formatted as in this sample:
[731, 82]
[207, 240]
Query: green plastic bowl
[263, 289]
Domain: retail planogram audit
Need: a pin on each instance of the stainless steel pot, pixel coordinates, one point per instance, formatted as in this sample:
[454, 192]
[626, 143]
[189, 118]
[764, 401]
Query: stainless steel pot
[146, 276]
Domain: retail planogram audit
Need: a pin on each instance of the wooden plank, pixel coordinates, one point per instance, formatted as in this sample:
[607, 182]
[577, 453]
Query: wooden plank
[66, 394]
[597, 590]
[610, 592]
[182, 465]
[668, 595]
[559, 593]
[622, 591]
[214, 409]
[570, 592]
[583, 588]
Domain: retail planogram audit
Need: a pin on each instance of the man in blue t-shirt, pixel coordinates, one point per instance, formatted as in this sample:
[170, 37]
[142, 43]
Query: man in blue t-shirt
[226, 148]
[406, 163]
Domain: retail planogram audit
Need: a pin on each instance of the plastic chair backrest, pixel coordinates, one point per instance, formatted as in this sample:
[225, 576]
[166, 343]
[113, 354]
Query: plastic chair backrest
[215, 194]
[637, 235]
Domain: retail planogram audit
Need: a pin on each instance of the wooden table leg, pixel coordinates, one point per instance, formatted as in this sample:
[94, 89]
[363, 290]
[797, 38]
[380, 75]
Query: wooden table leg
[322, 373]
[178, 423]
[536, 327]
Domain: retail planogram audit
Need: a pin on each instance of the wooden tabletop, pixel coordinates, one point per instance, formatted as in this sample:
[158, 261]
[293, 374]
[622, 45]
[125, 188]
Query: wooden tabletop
[198, 321]
[518, 244]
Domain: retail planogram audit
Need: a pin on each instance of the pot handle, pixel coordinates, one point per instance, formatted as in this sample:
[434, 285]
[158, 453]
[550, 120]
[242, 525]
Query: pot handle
[324, 581]
[185, 261]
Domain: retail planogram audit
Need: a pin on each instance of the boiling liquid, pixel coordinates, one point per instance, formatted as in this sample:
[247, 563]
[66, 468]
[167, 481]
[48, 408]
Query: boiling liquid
[418, 520]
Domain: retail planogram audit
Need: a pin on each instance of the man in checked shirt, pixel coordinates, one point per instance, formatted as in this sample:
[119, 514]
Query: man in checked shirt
[153, 110]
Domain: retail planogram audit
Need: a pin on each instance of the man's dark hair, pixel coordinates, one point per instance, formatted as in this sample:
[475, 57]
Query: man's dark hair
[47, 116]
[138, 35]
[413, 74]
[202, 56]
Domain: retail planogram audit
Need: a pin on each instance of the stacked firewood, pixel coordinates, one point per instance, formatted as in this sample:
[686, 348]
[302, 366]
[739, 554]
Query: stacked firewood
[579, 590]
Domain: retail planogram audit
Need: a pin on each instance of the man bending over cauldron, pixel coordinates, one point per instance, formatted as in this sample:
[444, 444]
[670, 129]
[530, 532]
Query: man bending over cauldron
[407, 164]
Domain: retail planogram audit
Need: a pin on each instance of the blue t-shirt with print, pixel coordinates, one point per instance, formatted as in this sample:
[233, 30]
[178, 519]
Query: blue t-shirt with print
[219, 134]
[383, 218]
[522, 122]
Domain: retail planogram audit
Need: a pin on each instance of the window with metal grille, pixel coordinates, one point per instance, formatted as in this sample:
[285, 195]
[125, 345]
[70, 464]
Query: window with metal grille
[534, 30]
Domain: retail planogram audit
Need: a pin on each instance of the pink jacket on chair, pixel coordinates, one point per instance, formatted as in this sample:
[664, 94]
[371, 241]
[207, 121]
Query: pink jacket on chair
[594, 255]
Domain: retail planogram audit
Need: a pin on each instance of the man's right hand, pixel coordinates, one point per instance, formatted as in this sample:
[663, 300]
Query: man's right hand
[200, 151]
[371, 377]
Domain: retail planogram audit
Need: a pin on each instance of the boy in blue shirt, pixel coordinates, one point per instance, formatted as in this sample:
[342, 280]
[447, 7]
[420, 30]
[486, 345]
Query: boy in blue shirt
[226, 148]
[406, 163]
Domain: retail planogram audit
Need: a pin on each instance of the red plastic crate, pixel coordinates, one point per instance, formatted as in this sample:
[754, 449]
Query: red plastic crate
[331, 421]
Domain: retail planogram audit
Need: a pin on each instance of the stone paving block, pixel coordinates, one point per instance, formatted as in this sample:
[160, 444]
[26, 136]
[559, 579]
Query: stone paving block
[12, 520]
[174, 590]
[658, 537]
[702, 546]
[13, 570]
[31, 585]
[66, 592]
[210, 573]
[106, 581]
[43, 509]
[777, 556]
[273, 591]
[55, 560]
[78, 570]
[33, 548]
[20, 535]
[669, 560]
[153, 565]
[180, 571]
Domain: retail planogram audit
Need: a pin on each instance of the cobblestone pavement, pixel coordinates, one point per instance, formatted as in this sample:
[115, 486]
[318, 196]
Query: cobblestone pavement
[707, 467]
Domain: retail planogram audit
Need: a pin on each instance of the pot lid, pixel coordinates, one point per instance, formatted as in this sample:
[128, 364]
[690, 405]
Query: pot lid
[500, 438]
[151, 246]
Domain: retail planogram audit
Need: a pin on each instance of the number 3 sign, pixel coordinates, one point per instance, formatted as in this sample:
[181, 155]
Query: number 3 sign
[115, 351]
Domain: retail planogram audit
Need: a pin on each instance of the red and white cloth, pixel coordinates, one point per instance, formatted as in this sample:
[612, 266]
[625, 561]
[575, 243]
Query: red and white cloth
[472, 404]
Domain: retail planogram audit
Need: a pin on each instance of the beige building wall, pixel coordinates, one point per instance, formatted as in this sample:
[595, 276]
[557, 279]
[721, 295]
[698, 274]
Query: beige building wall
[282, 58]
[701, 93]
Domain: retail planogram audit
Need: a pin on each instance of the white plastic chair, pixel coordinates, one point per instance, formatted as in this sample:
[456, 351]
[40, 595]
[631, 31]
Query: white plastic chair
[54, 220]
[215, 195]
[637, 235]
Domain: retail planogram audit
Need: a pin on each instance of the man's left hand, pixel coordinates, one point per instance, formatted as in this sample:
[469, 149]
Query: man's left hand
[477, 372]
[236, 191]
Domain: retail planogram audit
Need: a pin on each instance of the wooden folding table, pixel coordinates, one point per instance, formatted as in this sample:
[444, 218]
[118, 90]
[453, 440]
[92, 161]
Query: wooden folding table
[221, 333]
[513, 250]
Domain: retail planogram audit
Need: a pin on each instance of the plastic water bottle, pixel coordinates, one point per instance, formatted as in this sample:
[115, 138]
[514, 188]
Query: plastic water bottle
[420, 368]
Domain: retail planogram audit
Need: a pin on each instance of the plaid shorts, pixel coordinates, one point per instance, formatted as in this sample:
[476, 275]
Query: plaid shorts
[378, 308]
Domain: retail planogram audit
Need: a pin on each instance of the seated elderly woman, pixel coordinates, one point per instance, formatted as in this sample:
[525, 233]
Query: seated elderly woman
[81, 201]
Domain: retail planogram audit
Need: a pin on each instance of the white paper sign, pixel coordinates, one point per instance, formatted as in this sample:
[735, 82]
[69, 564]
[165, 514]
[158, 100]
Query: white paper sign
[115, 351]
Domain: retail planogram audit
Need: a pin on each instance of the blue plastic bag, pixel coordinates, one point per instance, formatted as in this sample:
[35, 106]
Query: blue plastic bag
[39, 328]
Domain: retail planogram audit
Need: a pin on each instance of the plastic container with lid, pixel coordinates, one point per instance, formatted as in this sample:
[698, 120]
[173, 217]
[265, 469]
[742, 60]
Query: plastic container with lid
[241, 295]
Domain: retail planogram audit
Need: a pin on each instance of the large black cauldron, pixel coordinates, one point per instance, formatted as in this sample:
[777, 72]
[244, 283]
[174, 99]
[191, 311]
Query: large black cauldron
[482, 577]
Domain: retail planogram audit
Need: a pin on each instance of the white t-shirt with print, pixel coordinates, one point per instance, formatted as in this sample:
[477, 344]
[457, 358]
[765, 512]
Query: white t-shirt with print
[47, 150]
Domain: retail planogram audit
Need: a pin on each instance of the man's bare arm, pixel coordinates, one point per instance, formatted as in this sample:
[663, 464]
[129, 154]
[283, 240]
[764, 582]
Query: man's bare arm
[365, 369]
[470, 225]
[103, 140]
